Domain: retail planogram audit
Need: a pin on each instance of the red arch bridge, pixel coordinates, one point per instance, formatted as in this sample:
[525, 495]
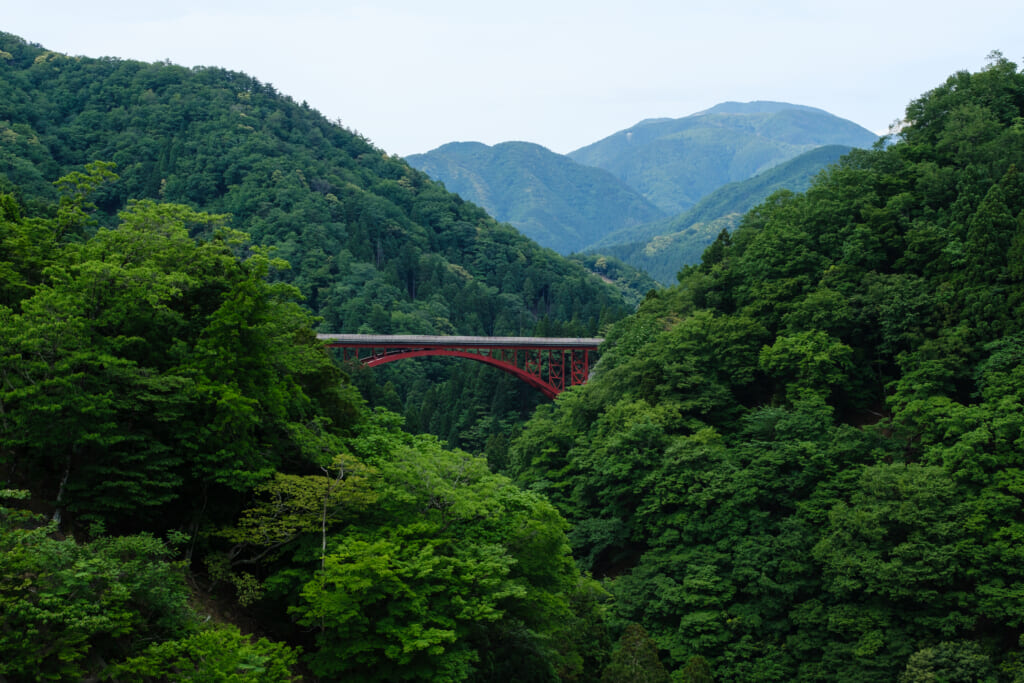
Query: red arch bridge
[548, 363]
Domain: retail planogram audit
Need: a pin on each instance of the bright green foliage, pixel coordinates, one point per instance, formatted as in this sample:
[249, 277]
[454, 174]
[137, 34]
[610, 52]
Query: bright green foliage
[395, 608]
[292, 504]
[286, 509]
[149, 365]
[26, 247]
[75, 189]
[406, 561]
[448, 560]
[953, 662]
[115, 608]
[807, 361]
[68, 607]
[220, 653]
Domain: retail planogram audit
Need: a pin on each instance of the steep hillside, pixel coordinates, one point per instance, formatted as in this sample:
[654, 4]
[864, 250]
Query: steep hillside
[547, 196]
[663, 247]
[374, 245]
[804, 462]
[180, 457]
[676, 162]
[330, 201]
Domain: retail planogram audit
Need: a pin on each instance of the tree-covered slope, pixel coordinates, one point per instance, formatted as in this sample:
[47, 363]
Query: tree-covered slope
[663, 247]
[676, 162]
[803, 462]
[344, 213]
[547, 196]
[177, 448]
[374, 245]
[199, 456]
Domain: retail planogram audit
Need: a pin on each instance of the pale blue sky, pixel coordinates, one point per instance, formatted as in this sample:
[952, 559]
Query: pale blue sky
[412, 75]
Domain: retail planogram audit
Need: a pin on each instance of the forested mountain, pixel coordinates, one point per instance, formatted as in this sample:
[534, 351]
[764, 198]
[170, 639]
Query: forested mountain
[676, 162]
[709, 158]
[374, 245]
[547, 196]
[803, 462]
[165, 405]
[662, 248]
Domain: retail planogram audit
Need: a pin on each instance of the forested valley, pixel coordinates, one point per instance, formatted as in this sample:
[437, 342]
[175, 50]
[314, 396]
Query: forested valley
[372, 244]
[802, 462]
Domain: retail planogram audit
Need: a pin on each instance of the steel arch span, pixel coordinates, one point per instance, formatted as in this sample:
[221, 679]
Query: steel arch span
[550, 364]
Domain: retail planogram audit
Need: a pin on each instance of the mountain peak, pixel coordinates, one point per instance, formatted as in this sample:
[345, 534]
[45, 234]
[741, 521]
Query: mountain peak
[547, 196]
[675, 162]
[756, 107]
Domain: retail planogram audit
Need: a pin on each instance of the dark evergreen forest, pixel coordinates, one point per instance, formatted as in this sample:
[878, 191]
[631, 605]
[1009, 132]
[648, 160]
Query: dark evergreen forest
[802, 462]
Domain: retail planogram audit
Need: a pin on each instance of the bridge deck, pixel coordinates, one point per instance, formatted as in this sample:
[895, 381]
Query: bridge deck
[449, 341]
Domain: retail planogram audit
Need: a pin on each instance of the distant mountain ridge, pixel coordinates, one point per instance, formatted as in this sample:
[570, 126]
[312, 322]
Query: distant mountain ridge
[620, 193]
[663, 247]
[547, 196]
[676, 162]
[736, 198]
[757, 107]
